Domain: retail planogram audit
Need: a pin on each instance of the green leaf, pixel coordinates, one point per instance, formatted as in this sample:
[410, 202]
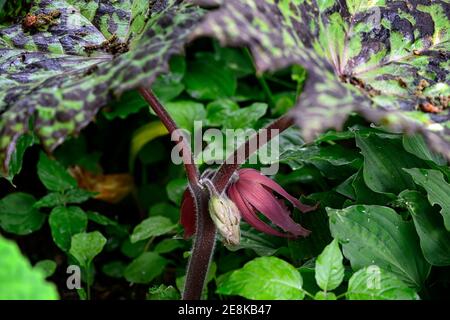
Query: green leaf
[378, 235]
[325, 296]
[234, 59]
[129, 103]
[48, 267]
[163, 292]
[209, 79]
[114, 269]
[229, 115]
[416, 145]
[374, 283]
[437, 188]
[365, 195]
[76, 79]
[53, 175]
[19, 280]
[86, 246]
[168, 245]
[152, 227]
[18, 214]
[105, 221]
[184, 113]
[175, 189]
[265, 278]
[15, 165]
[145, 268]
[54, 199]
[168, 86]
[64, 223]
[329, 267]
[262, 244]
[351, 51]
[384, 160]
[322, 157]
[434, 238]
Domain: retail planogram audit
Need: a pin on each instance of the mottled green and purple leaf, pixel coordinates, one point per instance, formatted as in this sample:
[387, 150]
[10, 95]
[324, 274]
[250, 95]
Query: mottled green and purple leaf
[56, 75]
[387, 60]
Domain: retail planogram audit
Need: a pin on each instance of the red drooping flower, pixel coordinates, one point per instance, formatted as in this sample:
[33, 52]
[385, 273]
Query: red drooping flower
[253, 192]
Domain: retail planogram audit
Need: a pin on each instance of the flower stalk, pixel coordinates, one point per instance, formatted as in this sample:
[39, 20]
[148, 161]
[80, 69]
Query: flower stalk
[199, 196]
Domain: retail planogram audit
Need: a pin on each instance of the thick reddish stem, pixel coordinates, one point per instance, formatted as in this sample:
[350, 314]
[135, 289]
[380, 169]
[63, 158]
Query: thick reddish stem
[188, 160]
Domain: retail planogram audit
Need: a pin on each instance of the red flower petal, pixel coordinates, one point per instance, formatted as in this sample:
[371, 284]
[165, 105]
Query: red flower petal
[256, 177]
[249, 215]
[187, 218]
[265, 202]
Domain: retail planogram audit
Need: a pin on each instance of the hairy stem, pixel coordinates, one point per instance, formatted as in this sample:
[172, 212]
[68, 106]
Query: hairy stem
[188, 160]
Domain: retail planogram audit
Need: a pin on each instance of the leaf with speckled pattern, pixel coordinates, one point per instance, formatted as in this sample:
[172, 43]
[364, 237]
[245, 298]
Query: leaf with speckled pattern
[61, 73]
[385, 59]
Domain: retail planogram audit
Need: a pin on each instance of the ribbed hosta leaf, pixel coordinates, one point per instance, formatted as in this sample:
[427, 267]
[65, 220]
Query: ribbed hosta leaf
[385, 59]
[77, 57]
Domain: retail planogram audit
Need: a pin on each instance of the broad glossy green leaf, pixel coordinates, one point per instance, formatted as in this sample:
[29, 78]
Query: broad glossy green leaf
[19, 281]
[416, 145]
[378, 235]
[374, 283]
[365, 195]
[64, 223]
[384, 160]
[87, 57]
[386, 60]
[265, 278]
[329, 267]
[86, 246]
[325, 158]
[434, 238]
[53, 175]
[18, 214]
[437, 188]
[145, 268]
[152, 227]
[48, 267]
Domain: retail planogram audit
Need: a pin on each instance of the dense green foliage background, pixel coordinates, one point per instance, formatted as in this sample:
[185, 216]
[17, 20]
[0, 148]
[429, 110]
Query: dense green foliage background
[108, 199]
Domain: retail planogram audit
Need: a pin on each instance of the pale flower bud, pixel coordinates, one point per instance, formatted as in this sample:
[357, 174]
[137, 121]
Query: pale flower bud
[226, 217]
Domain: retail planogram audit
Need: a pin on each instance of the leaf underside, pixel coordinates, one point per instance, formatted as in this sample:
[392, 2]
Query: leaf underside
[386, 60]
